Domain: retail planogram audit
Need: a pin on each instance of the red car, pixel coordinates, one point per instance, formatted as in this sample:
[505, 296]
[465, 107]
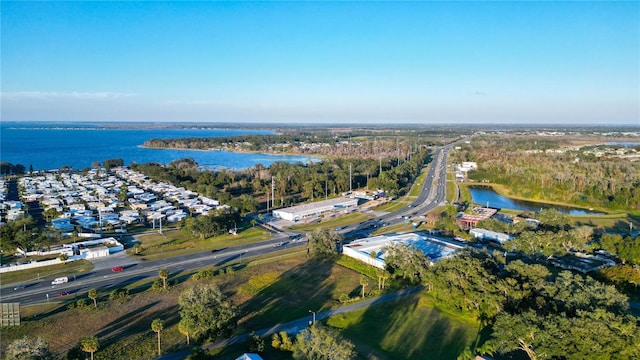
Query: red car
[117, 268]
[63, 293]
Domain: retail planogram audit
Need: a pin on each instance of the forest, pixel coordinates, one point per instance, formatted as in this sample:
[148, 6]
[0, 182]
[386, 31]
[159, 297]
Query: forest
[292, 182]
[539, 168]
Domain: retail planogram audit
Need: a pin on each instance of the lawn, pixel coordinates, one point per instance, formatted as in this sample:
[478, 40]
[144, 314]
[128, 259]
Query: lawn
[177, 242]
[406, 328]
[46, 272]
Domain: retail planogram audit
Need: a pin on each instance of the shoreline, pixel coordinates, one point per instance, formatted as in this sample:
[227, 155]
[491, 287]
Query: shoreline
[236, 151]
[500, 190]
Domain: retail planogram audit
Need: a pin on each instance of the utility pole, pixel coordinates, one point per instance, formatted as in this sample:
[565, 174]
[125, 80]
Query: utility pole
[380, 158]
[326, 187]
[273, 193]
[350, 187]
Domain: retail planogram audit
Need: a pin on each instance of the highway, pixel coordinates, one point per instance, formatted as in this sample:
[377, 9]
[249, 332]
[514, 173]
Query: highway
[432, 195]
[37, 292]
[103, 279]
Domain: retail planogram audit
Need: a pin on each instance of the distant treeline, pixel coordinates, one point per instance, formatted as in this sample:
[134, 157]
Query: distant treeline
[332, 144]
[572, 176]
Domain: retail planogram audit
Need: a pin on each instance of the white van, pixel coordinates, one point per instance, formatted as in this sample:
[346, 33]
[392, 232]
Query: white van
[60, 280]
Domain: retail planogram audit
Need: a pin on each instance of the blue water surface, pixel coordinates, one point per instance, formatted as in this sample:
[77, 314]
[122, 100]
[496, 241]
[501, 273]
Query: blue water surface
[485, 196]
[47, 146]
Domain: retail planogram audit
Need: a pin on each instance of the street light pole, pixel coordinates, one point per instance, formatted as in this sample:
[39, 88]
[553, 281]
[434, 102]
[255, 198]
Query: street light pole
[313, 321]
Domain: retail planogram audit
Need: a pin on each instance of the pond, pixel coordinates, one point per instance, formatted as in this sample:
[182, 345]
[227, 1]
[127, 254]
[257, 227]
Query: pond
[485, 196]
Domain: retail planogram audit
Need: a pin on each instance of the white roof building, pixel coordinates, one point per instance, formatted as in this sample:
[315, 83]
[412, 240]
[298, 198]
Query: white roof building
[296, 213]
[485, 234]
[432, 247]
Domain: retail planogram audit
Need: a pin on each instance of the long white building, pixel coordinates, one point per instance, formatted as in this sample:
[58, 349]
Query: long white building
[297, 213]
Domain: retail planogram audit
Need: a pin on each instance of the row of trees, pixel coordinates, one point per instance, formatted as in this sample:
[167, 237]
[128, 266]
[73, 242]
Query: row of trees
[7, 168]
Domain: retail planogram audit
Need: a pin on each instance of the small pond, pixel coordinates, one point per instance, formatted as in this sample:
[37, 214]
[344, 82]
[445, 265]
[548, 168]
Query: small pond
[485, 196]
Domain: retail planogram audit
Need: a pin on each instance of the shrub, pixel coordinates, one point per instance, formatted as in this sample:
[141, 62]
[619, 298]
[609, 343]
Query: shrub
[202, 274]
[121, 294]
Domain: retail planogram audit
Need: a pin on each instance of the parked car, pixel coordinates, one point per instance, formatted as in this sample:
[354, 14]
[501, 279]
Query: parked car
[117, 269]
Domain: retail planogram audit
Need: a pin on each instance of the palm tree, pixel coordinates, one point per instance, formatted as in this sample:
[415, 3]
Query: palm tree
[184, 327]
[364, 282]
[93, 295]
[164, 275]
[89, 344]
[157, 325]
[137, 248]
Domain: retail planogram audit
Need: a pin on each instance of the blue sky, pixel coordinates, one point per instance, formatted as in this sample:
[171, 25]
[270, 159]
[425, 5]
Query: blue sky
[322, 62]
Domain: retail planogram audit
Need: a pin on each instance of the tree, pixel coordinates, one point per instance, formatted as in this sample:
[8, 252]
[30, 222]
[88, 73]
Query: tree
[111, 163]
[63, 257]
[89, 344]
[282, 341]
[256, 343]
[157, 325]
[383, 276]
[407, 262]
[320, 342]
[207, 311]
[124, 191]
[93, 295]
[137, 248]
[552, 219]
[185, 327]
[324, 243]
[364, 282]
[28, 347]
[164, 275]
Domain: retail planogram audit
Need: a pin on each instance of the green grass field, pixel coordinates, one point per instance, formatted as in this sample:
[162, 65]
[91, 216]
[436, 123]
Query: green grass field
[406, 328]
[177, 242]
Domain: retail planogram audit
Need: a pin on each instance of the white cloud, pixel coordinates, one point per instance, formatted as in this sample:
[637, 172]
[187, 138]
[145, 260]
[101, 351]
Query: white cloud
[54, 95]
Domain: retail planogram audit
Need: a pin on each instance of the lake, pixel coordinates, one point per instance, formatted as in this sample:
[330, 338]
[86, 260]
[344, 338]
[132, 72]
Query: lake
[485, 196]
[48, 146]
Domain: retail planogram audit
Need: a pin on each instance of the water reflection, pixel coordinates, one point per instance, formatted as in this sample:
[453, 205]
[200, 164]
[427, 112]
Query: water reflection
[485, 196]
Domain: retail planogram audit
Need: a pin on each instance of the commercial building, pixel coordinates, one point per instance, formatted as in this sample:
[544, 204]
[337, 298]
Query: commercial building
[297, 213]
[469, 221]
[432, 247]
[484, 234]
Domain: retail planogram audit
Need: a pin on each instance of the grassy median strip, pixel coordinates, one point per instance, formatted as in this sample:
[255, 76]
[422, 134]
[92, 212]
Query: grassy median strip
[333, 223]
